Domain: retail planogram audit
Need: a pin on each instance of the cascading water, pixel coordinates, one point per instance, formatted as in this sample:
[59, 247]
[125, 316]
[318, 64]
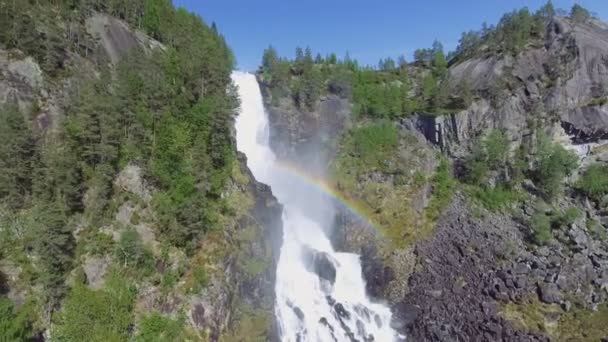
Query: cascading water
[320, 293]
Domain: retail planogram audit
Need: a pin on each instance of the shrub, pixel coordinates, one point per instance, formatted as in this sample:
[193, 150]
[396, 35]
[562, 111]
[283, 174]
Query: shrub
[594, 181]
[131, 252]
[443, 189]
[104, 315]
[495, 198]
[568, 217]
[373, 141]
[553, 163]
[541, 228]
[491, 153]
[156, 328]
[14, 325]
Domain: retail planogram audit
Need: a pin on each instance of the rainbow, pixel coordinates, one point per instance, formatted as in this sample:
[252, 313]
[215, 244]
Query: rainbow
[355, 207]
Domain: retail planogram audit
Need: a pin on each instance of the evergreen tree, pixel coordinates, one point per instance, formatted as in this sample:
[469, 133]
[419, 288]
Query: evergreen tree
[55, 248]
[16, 153]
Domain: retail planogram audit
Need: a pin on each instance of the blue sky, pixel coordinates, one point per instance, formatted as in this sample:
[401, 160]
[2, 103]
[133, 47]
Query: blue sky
[368, 30]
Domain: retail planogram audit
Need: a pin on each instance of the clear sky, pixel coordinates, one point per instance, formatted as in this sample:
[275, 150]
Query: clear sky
[367, 29]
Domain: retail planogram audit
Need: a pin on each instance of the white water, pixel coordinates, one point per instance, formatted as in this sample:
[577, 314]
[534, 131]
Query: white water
[305, 304]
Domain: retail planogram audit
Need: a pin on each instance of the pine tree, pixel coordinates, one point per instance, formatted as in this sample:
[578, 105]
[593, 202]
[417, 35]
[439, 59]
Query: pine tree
[55, 248]
[16, 153]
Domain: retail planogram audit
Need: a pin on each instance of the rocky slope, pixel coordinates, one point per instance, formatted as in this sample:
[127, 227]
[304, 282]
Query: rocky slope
[459, 271]
[221, 291]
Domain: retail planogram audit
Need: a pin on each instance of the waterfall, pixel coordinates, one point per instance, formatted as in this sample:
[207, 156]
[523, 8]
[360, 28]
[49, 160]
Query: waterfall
[320, 293]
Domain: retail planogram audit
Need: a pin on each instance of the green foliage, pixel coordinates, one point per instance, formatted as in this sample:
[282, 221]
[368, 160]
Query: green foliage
[495, 198]
[200, 279]
[373, 141]
[444, 186]
[55, 247]
[511, 35]
[130, 252]
[16, 154]
[156, 328]
[15, 325]
[594, 181]
[553, 163]
[567, 218]
[579, 14]
[490, 154]
[103, 315]
[378, 94]
[541, 228]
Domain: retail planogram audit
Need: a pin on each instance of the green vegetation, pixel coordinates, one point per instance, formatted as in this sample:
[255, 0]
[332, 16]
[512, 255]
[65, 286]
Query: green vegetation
[157, 328]
[541, 228]
[594, 181]
[444, 186]
[14, 325]
[553, 162]
[578, 324]
[130, 252]
[373, 142]
[167, 110]
[104, 315]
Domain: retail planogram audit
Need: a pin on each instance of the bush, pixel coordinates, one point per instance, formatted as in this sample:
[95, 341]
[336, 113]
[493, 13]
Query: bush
[568, 217]
[594, 181]
[131, 252]
[553, 163]
[156, 328]
[443, 189]
[541, 228]
[495, 198]
[373, 141]
[104, 315]
[14, 325]
[491, 153]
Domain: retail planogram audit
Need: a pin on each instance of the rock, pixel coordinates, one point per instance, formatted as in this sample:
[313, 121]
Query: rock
[341, 311]
[321, 264]
[521, 268]
[130, 179]
[566, 306]
[95, 268]
[549, 293]
[116, 37]
[579, 237]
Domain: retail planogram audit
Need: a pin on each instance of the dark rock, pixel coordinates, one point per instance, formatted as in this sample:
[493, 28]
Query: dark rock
[321, 264]
[341, 311]
[299, 313]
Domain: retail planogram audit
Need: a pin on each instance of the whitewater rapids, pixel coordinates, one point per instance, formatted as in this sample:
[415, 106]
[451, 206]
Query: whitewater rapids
[320, 293]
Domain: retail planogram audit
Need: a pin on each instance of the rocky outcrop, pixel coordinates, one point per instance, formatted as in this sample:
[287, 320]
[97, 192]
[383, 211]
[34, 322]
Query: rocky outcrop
[302, 136]
[116, 38]
[241, 284]
[560, 81]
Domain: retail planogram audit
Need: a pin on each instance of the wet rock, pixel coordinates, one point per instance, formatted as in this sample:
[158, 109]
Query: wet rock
[299, 313]
[321, 264]
[341, 311]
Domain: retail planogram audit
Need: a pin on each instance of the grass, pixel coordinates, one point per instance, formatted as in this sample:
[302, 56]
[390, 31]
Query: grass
[578, 324]
[594, 181]
[495, 199]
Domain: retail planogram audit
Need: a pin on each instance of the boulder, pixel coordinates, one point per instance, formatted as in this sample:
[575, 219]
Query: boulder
[549, 293]
[320, 263]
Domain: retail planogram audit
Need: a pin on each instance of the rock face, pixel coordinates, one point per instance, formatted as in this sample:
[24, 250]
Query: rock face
[116, 37]
[563, 82]
[257, 237]
[298, 135]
